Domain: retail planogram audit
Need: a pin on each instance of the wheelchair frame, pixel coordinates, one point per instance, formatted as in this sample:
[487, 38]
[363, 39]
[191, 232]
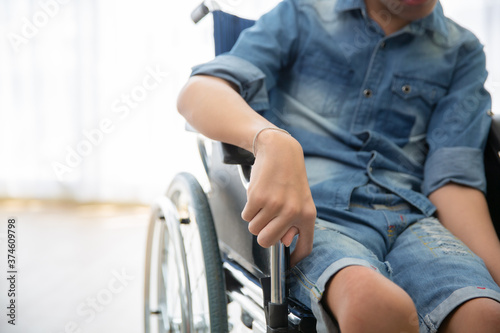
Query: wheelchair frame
[256, 281]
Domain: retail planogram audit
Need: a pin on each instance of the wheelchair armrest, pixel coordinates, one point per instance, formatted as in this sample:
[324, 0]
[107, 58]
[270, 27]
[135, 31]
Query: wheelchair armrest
[492, 169]
[236, 155]
[231, 154]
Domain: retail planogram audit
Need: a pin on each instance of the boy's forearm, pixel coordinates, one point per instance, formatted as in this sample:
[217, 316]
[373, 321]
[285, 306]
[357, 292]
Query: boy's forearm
[214, 108]
[464, 211]
[279, 201]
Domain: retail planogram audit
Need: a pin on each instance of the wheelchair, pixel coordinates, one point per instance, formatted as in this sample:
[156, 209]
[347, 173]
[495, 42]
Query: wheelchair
[200, 256]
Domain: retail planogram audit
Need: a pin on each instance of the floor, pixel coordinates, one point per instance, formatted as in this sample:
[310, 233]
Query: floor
[79, 267]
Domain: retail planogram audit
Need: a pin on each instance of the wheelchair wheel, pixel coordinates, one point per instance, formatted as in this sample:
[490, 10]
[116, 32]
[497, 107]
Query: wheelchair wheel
[184, 285]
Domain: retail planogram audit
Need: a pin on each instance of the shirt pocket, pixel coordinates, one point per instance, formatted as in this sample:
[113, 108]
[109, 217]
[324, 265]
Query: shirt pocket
[416, 97]
[323, 84]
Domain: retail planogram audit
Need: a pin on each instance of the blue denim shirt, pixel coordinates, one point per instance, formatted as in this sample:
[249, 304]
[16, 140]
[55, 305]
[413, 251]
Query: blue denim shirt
[406, 111]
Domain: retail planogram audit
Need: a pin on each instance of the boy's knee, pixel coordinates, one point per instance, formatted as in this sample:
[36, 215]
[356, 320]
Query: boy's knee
[362, 300]
[478, 314]
[491, 313]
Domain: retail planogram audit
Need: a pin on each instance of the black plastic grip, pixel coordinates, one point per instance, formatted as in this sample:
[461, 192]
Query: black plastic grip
[236, 155]
[277, 320]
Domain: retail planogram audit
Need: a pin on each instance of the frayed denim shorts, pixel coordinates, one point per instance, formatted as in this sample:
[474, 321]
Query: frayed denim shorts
[382, 232]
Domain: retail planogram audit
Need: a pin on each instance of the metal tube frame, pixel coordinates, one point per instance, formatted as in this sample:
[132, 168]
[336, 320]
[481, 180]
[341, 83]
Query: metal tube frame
[278, 273]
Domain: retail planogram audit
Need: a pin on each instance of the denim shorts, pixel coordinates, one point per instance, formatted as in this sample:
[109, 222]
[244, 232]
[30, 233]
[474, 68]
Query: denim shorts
[382, 232]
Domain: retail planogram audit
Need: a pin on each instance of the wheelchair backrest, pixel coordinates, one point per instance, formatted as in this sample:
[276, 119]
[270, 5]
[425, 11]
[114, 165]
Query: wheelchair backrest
[227, 28]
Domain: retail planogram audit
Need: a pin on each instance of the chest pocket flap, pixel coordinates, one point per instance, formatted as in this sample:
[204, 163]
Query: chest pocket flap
[408, 88]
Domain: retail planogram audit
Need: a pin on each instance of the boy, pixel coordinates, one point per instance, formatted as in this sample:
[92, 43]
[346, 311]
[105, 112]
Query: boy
[385, 104]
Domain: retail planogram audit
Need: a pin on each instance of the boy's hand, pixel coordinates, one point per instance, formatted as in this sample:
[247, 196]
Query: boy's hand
[279, 203]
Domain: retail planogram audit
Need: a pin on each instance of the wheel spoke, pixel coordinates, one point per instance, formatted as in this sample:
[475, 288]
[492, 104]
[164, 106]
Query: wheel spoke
[199, 279]
[183, 287]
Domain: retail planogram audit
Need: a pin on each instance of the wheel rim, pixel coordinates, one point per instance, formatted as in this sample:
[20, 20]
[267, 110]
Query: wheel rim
[177, 298]
[195, 263]
[169, 301]
[169, 306]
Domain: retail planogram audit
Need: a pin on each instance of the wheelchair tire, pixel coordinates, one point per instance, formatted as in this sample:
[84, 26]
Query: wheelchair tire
[186, 269]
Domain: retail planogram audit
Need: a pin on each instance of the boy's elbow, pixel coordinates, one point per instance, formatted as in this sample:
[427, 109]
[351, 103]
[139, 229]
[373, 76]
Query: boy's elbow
[199, 90]
[184, 97]
[190, 95]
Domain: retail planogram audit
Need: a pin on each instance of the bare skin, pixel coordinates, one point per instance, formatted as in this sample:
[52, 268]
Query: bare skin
[456, 205]
[370, 296]
[364, 301]
[464, 211]
[280, 204]
[279, 201]
[477, 315]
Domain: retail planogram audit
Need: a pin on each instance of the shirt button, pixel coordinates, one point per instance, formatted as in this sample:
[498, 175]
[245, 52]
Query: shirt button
[382, 45]
[490, 113]
[367, 93]
[370, 169]
[406, 88]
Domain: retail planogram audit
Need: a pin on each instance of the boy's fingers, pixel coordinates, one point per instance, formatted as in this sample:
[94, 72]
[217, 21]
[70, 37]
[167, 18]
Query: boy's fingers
[302, 249]
[249, 211]
[290, 234]
[260, 220]
[272, 232]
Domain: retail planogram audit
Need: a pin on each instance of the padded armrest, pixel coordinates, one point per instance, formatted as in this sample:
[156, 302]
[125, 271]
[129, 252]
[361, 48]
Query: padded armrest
[236, 155]
[230, 154]
[492, 169]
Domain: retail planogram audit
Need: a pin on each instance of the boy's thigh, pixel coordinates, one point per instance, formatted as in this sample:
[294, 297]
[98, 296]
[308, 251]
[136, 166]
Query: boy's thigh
[438, 271]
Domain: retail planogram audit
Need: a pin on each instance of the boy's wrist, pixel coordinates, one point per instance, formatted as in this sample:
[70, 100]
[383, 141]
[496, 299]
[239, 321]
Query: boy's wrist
[275, 141]
[263, 132]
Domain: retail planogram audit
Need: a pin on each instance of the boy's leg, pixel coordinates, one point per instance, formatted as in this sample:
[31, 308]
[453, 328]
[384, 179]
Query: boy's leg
[476, 315]
[362, 300]
[360, 295]
[450, 286]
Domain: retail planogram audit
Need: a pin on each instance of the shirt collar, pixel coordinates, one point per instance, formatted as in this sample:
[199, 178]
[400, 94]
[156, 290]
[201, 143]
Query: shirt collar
[346, 5]
[435, 22]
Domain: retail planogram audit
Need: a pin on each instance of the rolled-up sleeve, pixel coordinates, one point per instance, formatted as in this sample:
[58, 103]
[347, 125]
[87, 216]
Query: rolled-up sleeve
[258, 56]
[249, 79]
[459, 126]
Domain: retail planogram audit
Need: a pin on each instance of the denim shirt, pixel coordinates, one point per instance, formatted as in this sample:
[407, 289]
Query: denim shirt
[406, 111]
